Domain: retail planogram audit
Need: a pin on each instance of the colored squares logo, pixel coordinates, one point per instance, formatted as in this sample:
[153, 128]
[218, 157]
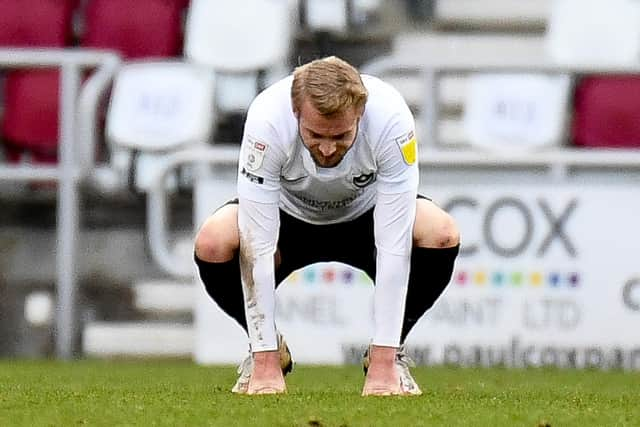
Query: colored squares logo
[329, 275]
[347, 276]
[309, 275]
[517, 279]
[365, 279]
[294, 277]
[574, 280]
[497, 278]
[480, 278]
[536, 279]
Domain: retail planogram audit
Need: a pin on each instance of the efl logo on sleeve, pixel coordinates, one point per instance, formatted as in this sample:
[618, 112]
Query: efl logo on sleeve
[408, 147]
[254, 154]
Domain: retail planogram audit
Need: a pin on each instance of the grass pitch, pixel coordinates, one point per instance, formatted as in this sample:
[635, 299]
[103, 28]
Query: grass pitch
[179, 393]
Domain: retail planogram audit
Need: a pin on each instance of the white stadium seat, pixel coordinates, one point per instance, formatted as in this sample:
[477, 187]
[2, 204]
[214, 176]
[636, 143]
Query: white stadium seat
[327, 15]
[155, 108]
[238, 40]
[339, 16]
[516, 112]
[594, 32]
[160, 106]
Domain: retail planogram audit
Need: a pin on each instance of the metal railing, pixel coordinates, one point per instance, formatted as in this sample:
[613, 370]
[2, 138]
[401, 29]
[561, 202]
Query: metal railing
[157, 217]
[75, 161]
[432, 67]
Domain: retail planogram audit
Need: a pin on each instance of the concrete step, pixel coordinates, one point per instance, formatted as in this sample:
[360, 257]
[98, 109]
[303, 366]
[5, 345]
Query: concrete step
[137, 339]
[164, 297]
[522, 15]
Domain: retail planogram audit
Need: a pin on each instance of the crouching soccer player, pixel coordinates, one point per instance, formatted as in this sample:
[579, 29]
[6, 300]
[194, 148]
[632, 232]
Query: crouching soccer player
[328, 171]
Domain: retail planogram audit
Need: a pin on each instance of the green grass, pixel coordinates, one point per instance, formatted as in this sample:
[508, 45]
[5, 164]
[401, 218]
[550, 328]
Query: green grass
[179, 393]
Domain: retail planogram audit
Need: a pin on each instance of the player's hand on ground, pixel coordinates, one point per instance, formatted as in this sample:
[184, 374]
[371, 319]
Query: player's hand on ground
[266, 377]
[382, 376]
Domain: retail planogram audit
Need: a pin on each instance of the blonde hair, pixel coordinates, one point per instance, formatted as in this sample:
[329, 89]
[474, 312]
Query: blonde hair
[330, 84]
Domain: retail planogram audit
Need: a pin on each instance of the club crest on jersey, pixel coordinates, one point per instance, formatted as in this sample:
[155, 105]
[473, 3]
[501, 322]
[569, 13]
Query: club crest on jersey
[408, 147]
[363, 180]
[254, 154]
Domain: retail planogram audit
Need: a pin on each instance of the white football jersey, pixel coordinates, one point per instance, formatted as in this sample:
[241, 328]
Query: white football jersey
[275, 165]
[276, 172]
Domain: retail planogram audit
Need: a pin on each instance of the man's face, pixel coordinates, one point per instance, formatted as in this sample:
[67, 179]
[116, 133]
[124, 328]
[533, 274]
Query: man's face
[328, 138]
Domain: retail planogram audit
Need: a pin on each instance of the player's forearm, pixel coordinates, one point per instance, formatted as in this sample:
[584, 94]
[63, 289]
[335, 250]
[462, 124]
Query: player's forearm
[394, 217]
[258, 224]
[259, 291]
[389, 298]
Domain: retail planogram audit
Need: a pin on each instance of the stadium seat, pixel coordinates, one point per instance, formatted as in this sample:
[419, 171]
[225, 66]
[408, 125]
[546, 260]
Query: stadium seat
[36, 23]
[184, 4]
[326, 15]
[155, 108]
[516, 112]
[607, 112]
[338, 16]
[143, 29]
[30, 120]
[593, 33]
[135, 29]
[240, 41]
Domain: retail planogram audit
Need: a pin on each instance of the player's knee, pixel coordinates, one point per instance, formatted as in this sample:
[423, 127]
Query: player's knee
[206, 247]
[449, 235]
[444, 233]
[217, 241]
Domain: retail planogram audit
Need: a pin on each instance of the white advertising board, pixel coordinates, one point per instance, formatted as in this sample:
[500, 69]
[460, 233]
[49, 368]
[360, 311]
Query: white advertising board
[546, 276]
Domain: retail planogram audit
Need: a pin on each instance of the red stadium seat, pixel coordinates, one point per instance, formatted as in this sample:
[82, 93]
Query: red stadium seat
[184, 4]
[30, 120]
[607, 112]
[136, 29]
[36, 23]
